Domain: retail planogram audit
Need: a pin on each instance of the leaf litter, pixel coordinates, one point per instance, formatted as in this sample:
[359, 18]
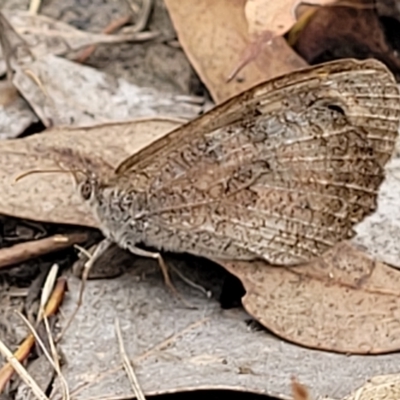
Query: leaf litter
[213, 34]
[44, 35]
[53, 86]
[66, 93]
[169, 344]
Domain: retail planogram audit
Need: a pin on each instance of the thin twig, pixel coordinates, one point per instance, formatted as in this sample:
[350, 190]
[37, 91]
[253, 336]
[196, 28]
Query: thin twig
[137, 390]
[35, 248]
[143, 20]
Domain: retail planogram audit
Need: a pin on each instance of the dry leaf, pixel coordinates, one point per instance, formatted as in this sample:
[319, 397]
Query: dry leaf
[15, 113]
[344, 302]
[214, 35]
[275, 17]
[66, 93]
[51, 197]
[169, 344]
[45, 35]
[13, 49]
[382, 387]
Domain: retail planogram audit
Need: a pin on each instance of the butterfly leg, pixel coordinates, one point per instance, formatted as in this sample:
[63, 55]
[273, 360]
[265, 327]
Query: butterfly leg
[164, 269]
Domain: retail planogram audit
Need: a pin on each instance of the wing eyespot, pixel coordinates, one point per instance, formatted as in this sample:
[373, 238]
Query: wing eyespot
[336, 108]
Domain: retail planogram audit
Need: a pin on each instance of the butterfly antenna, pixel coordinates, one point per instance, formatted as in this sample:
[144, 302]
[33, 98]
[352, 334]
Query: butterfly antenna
[50, 171]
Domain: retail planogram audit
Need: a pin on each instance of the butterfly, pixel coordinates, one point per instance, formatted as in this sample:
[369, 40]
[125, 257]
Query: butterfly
[280, 172]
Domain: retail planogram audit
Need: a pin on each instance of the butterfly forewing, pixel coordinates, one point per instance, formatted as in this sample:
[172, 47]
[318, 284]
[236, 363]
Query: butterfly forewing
[281, 172]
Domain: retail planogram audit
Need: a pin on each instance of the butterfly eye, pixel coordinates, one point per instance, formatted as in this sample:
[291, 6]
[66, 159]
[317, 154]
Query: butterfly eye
[86, 190]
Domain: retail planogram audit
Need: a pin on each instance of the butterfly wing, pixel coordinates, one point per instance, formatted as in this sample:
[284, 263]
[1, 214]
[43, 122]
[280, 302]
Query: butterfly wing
[281, 172]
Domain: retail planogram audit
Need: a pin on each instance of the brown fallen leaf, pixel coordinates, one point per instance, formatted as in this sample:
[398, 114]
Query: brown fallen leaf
[214, 34]
[343, 302]
[51, 197]
[62, 92]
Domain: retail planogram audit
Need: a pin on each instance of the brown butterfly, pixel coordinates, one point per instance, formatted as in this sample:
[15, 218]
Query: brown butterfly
[281, 172]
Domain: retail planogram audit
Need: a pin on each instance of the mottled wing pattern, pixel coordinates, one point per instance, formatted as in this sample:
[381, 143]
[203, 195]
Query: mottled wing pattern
[281, 172]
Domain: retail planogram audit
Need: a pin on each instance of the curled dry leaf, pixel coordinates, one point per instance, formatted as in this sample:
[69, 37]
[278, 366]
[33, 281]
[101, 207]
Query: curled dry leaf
[66, 93]
[343, 302]
[51, 197]
[214, 34]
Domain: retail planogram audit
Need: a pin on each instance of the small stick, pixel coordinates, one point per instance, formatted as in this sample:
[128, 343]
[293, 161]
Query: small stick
[35, 248]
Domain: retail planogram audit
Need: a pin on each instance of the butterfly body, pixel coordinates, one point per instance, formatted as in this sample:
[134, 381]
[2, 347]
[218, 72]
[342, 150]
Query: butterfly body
[281, 172]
